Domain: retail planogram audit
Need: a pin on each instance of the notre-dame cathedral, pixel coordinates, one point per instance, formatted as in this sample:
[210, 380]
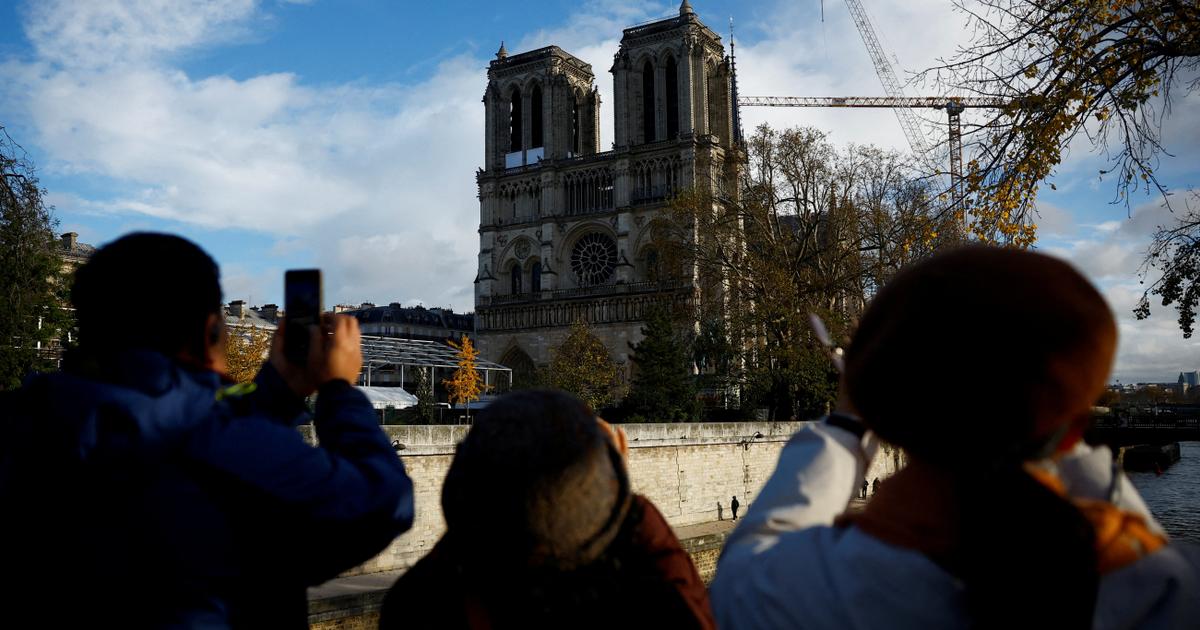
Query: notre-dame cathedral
[565, 228]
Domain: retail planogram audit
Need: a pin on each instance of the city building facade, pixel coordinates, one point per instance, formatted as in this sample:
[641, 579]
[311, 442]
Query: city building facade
[567, 231]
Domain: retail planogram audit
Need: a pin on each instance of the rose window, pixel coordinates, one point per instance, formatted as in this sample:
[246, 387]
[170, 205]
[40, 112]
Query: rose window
[594, 259]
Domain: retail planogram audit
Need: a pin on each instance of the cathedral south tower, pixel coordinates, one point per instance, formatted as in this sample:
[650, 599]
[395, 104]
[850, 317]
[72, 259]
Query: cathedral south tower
[565, 228]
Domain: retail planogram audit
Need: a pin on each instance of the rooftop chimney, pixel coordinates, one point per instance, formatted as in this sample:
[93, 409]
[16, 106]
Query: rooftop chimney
[269, 312]
[237, 308]
[69, 240]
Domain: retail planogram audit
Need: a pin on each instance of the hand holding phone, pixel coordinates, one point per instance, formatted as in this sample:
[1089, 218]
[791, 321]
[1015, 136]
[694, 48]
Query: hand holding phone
[822, 333]
[302, 312]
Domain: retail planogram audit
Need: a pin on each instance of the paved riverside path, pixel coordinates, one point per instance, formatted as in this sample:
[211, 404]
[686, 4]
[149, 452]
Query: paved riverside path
[349, 603]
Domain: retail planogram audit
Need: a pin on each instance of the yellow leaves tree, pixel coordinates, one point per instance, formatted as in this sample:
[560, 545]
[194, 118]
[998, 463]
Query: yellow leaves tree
[1103, 69]
[465, 385]
[245, 351]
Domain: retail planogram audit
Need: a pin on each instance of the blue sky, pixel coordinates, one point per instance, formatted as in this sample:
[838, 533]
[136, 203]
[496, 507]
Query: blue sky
[346, 135]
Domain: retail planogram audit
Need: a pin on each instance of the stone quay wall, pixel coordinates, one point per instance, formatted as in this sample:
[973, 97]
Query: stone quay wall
[689, 470]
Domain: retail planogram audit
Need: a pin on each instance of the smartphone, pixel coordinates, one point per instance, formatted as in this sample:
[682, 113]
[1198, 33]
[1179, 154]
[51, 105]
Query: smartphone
[822, 333]
[302, 309]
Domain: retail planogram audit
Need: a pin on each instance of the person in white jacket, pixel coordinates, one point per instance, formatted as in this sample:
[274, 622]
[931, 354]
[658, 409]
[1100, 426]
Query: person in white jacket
[1003, 518]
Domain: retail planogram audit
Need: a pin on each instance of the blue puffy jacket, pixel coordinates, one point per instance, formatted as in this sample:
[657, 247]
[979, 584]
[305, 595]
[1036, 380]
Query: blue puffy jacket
[146, 495]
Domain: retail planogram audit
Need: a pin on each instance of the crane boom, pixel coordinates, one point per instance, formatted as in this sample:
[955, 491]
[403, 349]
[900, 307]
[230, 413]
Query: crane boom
[908, 120]
[936, 102]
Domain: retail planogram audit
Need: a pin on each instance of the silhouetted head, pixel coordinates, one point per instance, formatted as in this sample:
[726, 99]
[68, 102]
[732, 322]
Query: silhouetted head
[975, 362]
[148, 291]
[982, 353]
[537, 482]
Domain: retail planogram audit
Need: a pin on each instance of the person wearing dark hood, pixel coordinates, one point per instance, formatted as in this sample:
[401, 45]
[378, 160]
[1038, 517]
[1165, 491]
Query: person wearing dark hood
[1003, 517]
[544, 531]
[140, 491]
[733, 506]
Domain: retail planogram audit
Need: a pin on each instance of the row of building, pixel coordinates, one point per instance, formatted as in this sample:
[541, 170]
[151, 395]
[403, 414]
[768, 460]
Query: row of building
[394, 320]
[1185, 385]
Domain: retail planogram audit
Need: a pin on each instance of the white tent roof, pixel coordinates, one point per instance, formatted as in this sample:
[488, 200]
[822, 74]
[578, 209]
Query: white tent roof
[383, 397]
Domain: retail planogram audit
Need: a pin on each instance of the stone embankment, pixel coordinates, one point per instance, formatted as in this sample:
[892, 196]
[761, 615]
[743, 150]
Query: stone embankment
[689, 470]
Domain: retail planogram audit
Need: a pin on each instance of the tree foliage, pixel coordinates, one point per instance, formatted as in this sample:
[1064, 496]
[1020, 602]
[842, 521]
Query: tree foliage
[424, 393]
[1103, 68]
[1174, 254]
[810, 229]
[582, 366]
[663, 388]
[465, 385]
[245, 351]
[33, 287]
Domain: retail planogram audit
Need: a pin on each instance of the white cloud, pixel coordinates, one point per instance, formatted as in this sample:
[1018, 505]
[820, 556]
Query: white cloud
[102, 33]
[315, 167]
[1111, 254]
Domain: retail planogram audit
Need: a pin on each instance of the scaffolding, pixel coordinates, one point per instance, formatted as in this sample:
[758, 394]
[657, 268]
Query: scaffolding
[384, 358]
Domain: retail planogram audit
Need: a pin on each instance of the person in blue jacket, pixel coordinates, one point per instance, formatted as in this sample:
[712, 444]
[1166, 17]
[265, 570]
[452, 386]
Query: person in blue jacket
[139, 490]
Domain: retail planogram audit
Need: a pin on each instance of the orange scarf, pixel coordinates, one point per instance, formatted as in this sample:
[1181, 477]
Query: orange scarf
[916, 509]
[1122, 538]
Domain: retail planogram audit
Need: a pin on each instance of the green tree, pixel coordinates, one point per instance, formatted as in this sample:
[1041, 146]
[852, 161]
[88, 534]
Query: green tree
[33, 286]
[465, 385]
[425, 402]
[582, 366]
[663, 389]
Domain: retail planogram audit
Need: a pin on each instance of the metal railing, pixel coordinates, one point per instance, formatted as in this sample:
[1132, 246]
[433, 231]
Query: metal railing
[651, 286]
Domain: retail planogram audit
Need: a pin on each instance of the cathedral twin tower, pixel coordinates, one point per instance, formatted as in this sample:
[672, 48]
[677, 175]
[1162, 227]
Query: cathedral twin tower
[566, 230]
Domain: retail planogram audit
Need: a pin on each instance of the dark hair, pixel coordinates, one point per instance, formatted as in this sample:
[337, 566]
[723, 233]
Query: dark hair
[537, 471]
[148, 291]
[974, 362]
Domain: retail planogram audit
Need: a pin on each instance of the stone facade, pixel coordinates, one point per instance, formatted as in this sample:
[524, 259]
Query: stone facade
[566, 231]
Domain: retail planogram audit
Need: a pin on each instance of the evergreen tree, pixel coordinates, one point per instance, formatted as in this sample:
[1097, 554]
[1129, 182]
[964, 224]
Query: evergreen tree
[424, 394]
[664, 389]
[32, 284]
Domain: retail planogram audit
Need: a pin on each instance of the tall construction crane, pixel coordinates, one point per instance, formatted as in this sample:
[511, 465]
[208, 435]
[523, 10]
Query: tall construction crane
[887, 76]
[896, 100]
[953, 106]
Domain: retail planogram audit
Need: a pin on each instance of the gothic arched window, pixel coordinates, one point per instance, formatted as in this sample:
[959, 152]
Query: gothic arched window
[535, 117]
[515, 275]
[594, 259]
[653, 269]
[672, 99]
[514, 121]
[535, 277]
[648, 132]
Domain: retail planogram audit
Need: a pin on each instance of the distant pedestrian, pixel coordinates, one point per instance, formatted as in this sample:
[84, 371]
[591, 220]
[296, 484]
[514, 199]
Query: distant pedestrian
[863, 492]
[733, 507]
[875, 486]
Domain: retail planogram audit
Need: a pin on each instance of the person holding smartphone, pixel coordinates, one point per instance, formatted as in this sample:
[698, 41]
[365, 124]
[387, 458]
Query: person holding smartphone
[160, 497]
